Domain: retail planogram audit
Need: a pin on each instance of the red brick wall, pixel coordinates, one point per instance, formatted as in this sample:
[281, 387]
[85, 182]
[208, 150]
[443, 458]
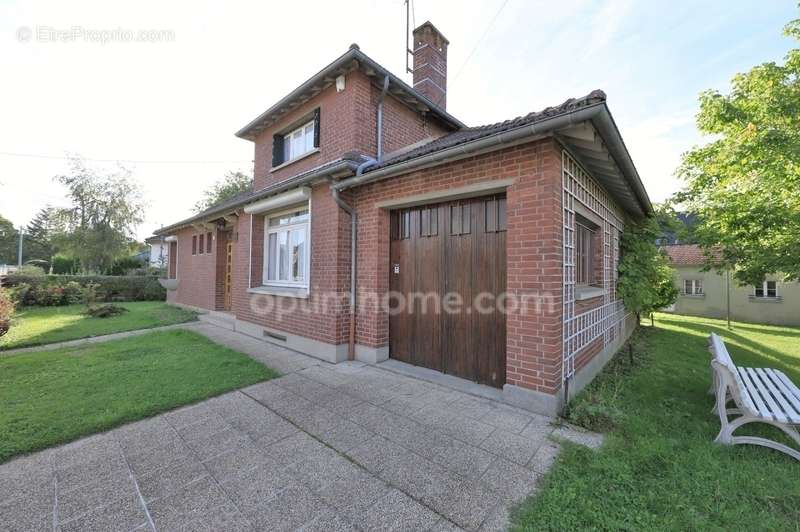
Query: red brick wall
[430, 64]
[533, 244]
[196, 273]
[319, 318]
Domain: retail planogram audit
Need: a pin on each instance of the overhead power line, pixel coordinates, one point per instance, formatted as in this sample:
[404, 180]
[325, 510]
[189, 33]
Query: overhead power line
[132, 161]
[477, 44]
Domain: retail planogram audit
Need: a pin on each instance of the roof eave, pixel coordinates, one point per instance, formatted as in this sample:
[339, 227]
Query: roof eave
[340, 168]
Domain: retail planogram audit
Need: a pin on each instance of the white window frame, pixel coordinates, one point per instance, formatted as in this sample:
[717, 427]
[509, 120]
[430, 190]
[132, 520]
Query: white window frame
[765, 292]
[281, 229]
[694, 283]
[307, 139]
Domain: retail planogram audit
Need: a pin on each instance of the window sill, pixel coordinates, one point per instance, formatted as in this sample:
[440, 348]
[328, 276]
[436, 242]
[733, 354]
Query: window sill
[757, 299]
[292, 161]
[582, 293]
[694, 296]
[285, 291]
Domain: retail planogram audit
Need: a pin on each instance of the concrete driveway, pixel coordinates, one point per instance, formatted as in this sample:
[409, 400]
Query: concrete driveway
[346, 447]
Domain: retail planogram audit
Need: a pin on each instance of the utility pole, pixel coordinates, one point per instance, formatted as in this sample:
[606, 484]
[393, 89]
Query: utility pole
[19, 252]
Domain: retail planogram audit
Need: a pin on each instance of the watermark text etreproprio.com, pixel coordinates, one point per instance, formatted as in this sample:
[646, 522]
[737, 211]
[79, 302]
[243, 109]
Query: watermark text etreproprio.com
[81, 34]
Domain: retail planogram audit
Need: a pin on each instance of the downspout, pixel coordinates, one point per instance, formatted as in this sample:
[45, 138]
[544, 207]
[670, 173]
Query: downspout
[351, 347]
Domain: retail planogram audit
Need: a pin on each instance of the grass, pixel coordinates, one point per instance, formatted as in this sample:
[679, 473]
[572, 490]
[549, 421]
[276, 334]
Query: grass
[52, 397]
[659, 469]
[46, 325]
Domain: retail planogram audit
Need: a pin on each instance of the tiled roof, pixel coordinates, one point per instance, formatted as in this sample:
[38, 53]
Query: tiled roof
[473, 133]
[690, 254]
[351, 158]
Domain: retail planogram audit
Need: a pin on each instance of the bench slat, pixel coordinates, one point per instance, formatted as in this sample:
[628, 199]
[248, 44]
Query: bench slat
[791, 392]
[778, 394]
[751, 389]
[766, 390]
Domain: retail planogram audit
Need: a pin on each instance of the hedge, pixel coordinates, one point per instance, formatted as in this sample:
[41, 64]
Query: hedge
[109, 287]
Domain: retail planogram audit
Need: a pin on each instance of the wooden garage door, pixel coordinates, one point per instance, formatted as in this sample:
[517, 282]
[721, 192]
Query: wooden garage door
[441, 255]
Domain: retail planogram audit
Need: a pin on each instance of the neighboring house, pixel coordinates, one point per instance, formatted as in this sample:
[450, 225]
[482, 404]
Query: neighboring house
[159, 252]
[524, 215]
[705, 293]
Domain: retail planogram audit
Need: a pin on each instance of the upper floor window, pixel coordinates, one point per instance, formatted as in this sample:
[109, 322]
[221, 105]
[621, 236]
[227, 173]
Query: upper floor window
[584, 254]
[693, 287]
[297, 142]
[287, 249]
[766, 289]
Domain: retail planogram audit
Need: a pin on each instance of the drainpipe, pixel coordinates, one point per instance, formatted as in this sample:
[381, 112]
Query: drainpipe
[351, 348]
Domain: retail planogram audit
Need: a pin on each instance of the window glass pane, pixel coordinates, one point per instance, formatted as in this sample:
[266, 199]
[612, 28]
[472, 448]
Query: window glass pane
[760, 291]
[291, 218]
[309, 134]
[687, 286]
[298, 247]
[283, 256]
[287, 149]
[271, 256]
[772, 289]
[698, 286]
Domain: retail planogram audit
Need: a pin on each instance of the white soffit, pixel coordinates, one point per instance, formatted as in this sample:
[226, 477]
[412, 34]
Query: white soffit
[291, 197]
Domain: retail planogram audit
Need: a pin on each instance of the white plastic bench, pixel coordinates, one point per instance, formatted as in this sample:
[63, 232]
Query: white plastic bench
[761, 395]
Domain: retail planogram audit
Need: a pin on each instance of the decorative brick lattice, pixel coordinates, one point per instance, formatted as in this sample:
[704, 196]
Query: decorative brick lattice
[605, 321]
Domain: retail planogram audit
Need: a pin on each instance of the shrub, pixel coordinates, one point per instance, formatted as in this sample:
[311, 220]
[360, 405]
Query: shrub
[65, 265]
[21, 294]
[106, 311]
[73, 293]
[30, 270]
[125, 265]
[62, 289]
[6, 311]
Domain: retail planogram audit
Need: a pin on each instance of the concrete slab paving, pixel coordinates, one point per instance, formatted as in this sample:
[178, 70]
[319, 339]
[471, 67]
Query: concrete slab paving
[344, 447]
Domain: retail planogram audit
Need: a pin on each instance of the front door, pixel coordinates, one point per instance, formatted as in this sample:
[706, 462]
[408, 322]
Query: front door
[228, 268]
[447, 269]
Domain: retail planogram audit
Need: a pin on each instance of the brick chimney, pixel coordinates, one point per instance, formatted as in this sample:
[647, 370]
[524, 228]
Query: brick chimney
[430, 63]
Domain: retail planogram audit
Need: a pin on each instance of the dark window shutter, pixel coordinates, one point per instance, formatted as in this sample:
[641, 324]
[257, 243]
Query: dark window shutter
[277, 150]
[316, 127]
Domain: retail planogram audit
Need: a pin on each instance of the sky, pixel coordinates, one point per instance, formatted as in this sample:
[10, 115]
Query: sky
[163, 86]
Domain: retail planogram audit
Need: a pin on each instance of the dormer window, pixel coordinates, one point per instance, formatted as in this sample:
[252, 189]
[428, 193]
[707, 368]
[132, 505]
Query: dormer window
[297, 142]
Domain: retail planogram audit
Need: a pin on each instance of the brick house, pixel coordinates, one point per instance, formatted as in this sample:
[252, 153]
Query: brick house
[379, 226]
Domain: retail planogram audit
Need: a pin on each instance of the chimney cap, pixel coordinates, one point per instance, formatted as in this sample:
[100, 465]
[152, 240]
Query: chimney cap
[429, 24]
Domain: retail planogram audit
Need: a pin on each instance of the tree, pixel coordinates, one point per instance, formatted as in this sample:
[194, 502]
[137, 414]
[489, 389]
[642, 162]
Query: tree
[233, 184]
[41, 234]
[674, 227]
[9, 240]
[645, 276]
[100, 224]
[745, 184]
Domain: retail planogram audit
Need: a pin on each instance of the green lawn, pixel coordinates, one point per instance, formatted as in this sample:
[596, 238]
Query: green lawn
[51, 397]
[45, 325]
[659, 469]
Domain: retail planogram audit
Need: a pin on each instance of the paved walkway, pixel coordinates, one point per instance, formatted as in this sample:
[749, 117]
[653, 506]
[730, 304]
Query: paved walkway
[344, 447]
